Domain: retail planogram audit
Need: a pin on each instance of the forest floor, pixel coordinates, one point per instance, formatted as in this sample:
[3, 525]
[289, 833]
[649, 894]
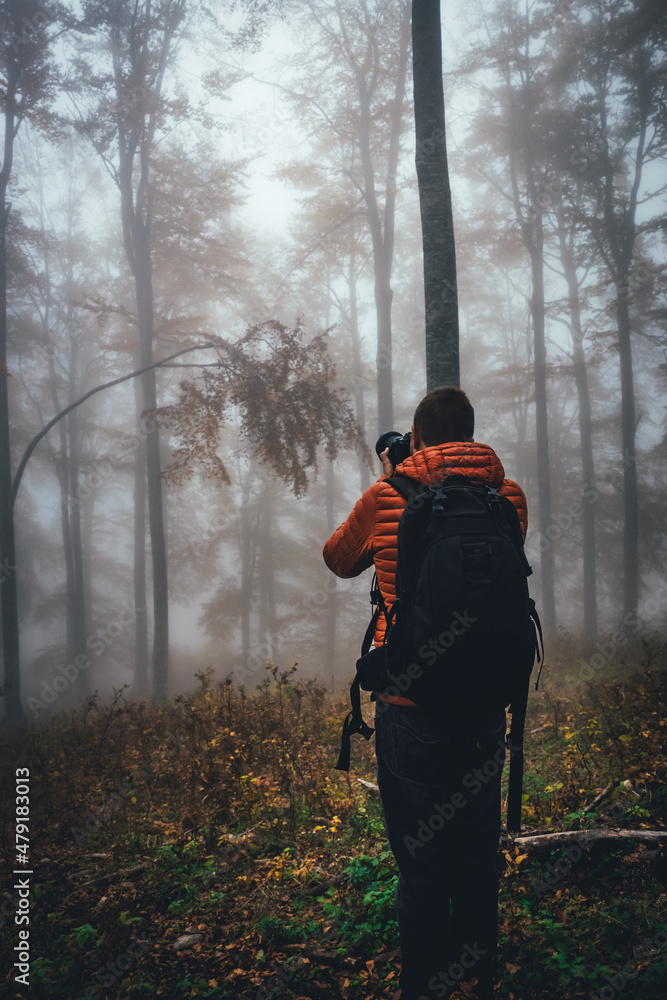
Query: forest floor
[208, 847]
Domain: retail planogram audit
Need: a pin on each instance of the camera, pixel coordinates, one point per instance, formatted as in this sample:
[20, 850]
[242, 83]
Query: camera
[398, 444]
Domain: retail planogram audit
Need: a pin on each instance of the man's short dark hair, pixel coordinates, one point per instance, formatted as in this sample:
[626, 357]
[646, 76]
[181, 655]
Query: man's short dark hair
[445, 414]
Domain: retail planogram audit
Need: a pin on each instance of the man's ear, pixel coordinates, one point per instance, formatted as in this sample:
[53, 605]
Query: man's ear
[416, 441]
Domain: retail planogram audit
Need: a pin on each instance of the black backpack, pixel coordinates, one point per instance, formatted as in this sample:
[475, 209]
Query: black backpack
[462, 632]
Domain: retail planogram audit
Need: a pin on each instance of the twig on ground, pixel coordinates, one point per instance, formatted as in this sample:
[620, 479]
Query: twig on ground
[603, 795]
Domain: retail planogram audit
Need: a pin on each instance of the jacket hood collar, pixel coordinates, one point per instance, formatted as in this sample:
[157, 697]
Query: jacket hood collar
[468, 458]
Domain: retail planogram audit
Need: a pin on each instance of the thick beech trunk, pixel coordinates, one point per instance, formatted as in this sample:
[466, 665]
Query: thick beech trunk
[440, 290]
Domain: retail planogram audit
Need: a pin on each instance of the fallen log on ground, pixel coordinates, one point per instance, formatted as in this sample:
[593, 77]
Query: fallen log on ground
[588, 837]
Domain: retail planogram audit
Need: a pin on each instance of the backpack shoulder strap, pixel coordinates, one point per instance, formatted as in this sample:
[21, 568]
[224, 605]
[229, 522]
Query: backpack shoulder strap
[406, 486]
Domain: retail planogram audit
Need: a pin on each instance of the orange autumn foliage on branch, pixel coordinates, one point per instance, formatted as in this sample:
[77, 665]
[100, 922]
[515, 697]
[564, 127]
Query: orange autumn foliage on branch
[283, 387]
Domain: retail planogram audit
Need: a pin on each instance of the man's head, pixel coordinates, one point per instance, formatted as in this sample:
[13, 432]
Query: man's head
[444, 414]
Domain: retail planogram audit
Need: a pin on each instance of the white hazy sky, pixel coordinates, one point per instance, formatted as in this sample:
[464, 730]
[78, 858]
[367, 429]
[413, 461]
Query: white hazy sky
[263, 127]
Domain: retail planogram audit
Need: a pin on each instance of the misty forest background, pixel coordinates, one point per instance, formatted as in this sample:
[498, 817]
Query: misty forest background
[211, 304]
[223, 198]
[160, 196]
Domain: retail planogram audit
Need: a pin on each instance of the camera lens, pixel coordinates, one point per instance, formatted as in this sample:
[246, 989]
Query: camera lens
[385, 440]
[398, 445]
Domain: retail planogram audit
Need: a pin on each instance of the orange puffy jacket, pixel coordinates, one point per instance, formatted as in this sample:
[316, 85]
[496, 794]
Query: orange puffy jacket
[369, 535]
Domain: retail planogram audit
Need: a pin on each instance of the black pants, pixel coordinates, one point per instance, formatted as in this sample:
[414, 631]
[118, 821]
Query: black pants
[439, 779]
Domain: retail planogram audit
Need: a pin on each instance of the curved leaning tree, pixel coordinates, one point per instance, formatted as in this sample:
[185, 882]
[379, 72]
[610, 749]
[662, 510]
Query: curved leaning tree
[441, 300]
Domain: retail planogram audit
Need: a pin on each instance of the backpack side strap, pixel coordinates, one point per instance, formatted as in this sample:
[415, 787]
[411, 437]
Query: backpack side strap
[354, 723]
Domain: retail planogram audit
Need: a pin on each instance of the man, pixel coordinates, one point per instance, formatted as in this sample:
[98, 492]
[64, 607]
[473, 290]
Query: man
[438, 773]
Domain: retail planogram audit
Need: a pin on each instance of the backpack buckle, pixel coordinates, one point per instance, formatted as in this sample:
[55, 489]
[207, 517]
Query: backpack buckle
[493, 498]
[438, 497]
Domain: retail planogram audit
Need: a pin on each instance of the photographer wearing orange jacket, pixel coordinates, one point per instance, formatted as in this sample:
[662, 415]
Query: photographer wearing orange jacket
[439, 772]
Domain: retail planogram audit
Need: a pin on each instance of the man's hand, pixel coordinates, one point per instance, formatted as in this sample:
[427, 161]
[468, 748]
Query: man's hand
[387, 467]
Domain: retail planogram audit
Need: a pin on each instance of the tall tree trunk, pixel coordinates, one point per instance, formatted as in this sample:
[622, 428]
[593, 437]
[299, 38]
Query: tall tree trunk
[440, 290]
[87, 546]
[135, 141]
[382, 283]
[547, 562]
[585, 434]
[160, 660]
[383, 241]
[246, 570]
[628, 442]
[71, 500]
[620, 232]
[79, 612]
[140, 686]
[267, 581]
[8, 583]
[136, 232]
[530, 221]
[332, 604]
[357, 371]
[68, 500]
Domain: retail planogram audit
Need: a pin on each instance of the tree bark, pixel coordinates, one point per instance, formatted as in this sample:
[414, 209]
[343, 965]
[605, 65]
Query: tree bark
[440, 289]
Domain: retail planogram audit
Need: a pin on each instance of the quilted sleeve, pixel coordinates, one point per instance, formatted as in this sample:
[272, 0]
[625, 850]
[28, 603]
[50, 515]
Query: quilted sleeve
[349, 551]
[513, 492]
